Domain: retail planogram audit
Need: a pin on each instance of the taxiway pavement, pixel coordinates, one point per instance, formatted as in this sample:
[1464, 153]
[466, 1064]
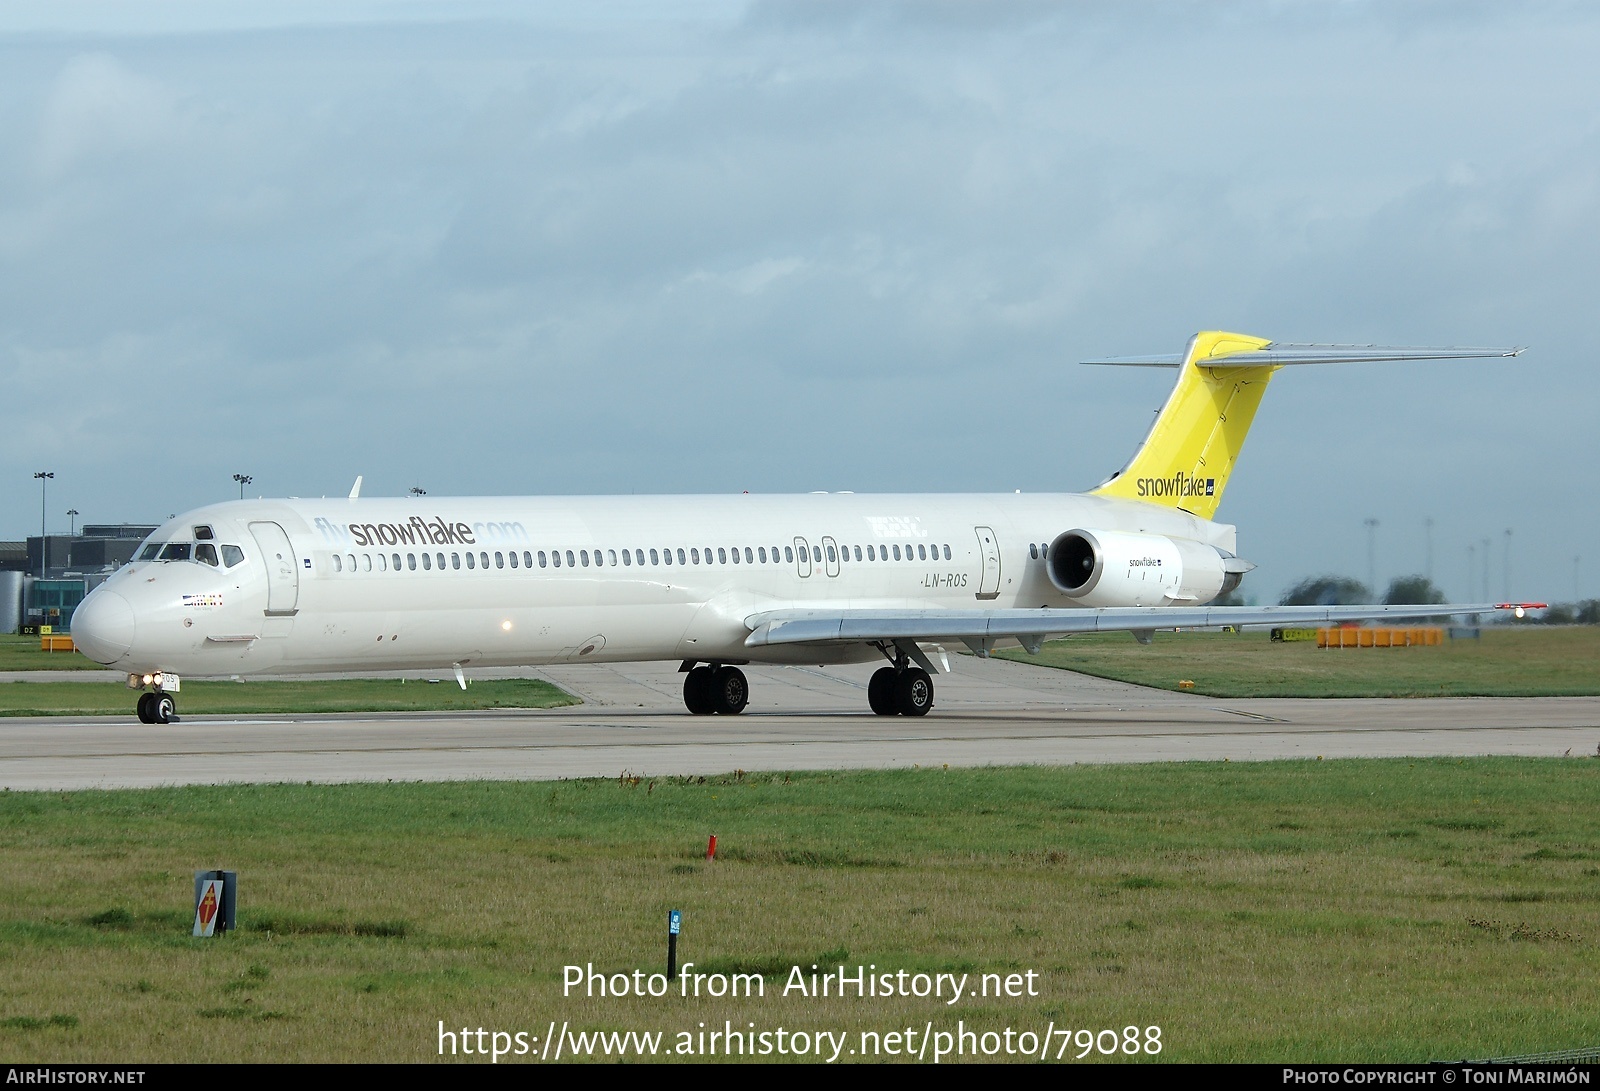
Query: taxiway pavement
[988, 712]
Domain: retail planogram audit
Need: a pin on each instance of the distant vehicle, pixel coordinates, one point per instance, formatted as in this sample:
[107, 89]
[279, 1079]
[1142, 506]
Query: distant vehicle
[295, 586]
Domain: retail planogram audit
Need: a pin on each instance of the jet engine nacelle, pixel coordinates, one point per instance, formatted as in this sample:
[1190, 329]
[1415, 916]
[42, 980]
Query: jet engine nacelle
[1117, 568]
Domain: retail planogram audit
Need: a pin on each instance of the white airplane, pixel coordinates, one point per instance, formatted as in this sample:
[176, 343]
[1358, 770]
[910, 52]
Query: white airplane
[296, 586]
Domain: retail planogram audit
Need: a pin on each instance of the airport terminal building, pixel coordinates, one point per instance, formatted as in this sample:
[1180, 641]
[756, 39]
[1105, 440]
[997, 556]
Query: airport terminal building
[43, 579]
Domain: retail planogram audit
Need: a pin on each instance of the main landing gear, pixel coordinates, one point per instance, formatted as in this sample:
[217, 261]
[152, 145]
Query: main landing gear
[900, 690]
[157, 708]
[716, 690]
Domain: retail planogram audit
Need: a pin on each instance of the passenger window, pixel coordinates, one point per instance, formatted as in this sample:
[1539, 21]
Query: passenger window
[735, 552]
[816, 554]
[541, 559]
[897, 551]
[922, 552]
[749, 557]
[527, 559]
[1033, 550]
[694, 555]
[722, 556]
[500, 560]
[427, 562]
[411, 561]
[583, 554]
[627, 558]
[455, 560]
[654, 558]
[232, 555]
[680, 556]
[832, 556]
[638, 555]
[382, 566]
[513, 558]
[761, 551]
[206, 553]
[338, 566]
[440, 558]
[396, 560]
[788, 554]
[366, 562]
[858, 553]
[571, 561]
[947, 553]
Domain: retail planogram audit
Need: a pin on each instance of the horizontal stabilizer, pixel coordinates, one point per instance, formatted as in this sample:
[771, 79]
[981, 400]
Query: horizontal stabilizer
[1279, 355]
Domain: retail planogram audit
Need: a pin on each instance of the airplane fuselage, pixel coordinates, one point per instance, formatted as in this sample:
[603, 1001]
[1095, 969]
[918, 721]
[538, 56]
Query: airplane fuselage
[384, 584]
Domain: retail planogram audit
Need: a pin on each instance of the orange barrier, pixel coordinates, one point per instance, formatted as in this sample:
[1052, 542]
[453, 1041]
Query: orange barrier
[55, 642]
[1419, 637]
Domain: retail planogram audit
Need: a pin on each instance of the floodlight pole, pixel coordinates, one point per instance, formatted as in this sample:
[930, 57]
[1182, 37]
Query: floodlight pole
[1372, 555]
[1507, 595]
[44, 541]
[243, 480]
[72, 524]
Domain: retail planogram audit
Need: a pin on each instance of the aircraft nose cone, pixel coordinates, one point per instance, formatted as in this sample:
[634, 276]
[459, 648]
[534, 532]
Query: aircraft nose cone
[102, 626]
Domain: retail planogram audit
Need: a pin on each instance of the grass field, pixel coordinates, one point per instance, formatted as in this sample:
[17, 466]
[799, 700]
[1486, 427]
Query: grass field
[1351, 911]
[1504, 662]
[351, 695]
[21, 653]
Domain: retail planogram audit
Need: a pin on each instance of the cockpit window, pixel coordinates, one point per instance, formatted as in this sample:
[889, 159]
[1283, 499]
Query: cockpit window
[148, 553]
[203, 534]
[176, 551]
[206, 553]
[232, 555]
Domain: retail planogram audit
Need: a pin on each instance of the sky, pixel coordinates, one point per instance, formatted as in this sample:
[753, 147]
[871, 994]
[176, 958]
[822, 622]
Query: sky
[494, 248]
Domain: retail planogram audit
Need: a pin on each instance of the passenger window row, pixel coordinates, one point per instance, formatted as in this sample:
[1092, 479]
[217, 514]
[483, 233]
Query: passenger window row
[631, 558]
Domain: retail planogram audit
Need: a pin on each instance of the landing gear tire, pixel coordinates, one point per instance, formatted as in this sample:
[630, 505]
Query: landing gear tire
[698, 695]
[163, 709]
[913, 692]
[729, 691]
[880, 692]
[145, 701]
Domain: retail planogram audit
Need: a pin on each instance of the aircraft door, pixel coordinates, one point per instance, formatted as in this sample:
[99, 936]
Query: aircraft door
[989, 550]
[802, 556]
[830, 555]
[277, 559]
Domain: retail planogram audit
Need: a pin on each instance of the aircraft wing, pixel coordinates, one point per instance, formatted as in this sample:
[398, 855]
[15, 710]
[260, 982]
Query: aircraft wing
[980, 629]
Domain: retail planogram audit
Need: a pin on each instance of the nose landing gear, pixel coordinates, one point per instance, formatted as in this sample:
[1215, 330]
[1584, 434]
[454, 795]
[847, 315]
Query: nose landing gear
[157, 708]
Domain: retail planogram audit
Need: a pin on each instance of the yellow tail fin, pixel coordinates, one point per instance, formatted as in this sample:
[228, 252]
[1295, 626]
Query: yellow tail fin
[1189, 454]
